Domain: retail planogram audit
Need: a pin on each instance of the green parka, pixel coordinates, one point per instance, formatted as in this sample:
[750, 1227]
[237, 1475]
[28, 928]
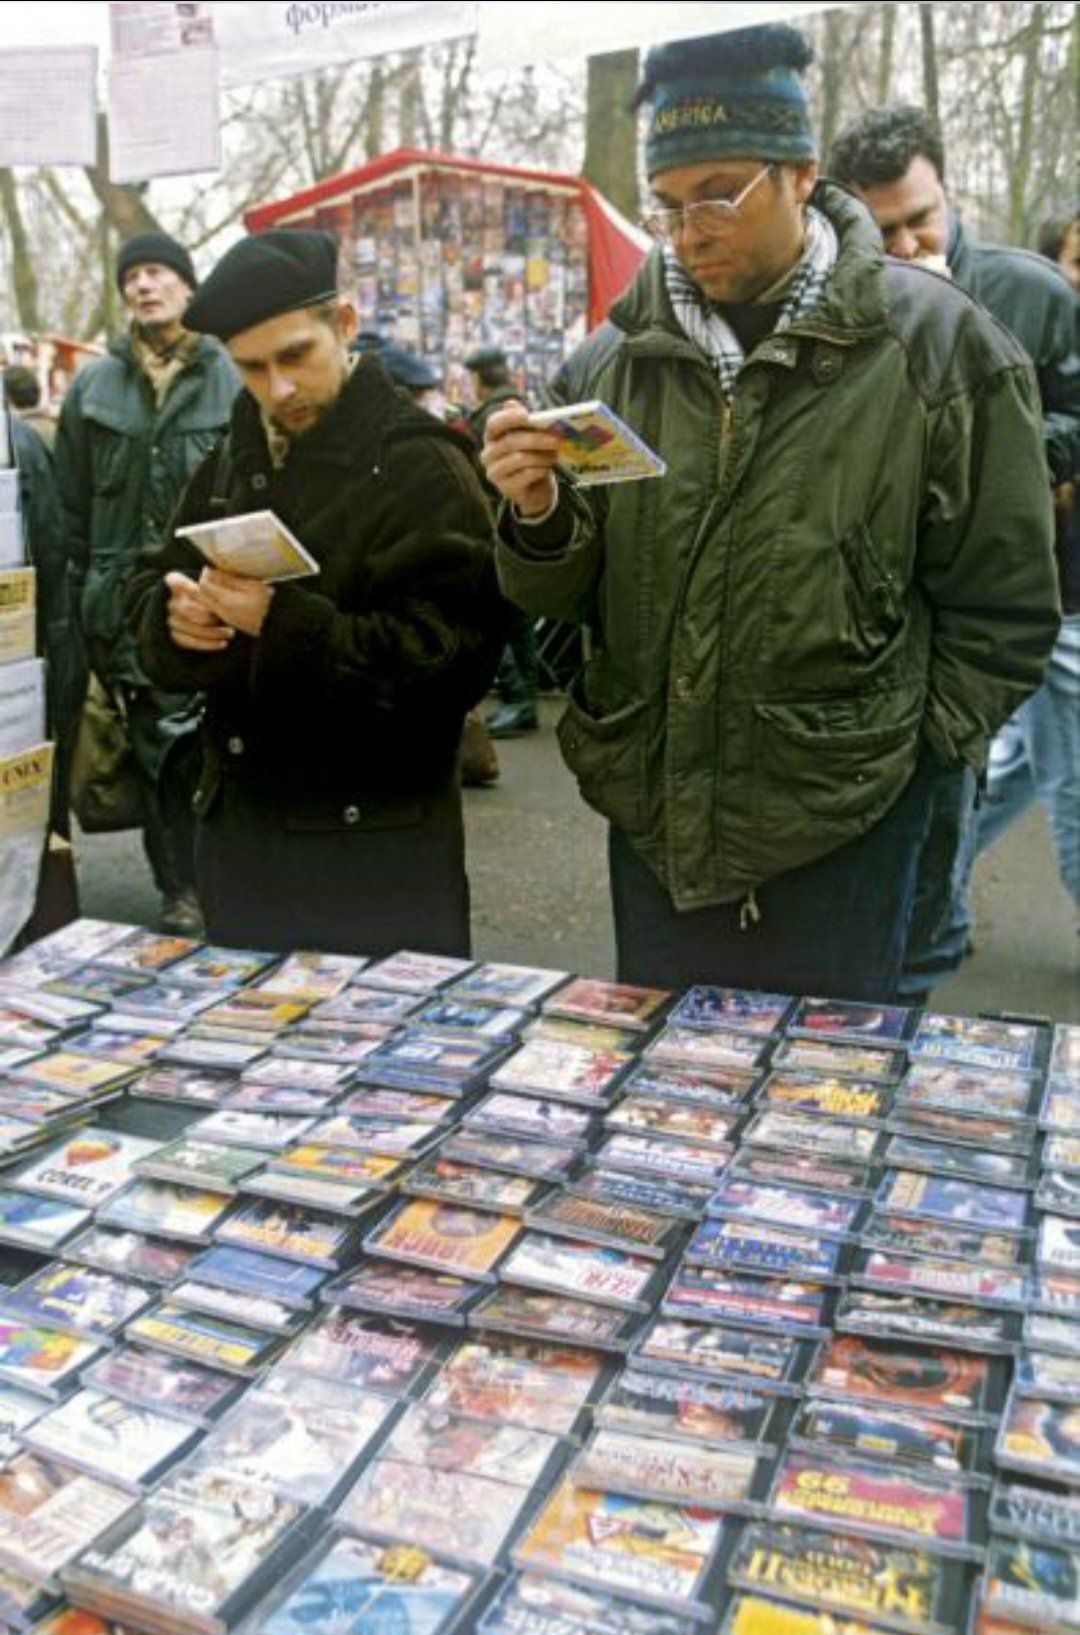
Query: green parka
[852, 558]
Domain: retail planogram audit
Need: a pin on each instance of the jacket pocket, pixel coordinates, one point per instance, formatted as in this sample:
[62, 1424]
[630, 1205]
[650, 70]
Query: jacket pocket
[840, 771]
[606, 754]
[874, 599]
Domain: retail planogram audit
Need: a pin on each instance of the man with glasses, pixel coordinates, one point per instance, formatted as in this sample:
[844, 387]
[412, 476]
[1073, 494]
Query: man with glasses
[794, 627]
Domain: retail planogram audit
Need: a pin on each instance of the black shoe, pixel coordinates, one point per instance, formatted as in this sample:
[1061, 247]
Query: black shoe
[511, 719]
[182, 916]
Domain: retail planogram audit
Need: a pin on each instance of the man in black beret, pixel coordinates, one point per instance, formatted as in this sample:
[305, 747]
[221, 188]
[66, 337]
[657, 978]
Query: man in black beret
[842, 584]
[329, 807]
[133, 429]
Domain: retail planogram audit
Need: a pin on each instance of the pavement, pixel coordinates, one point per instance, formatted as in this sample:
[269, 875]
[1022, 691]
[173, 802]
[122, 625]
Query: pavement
[537, 862]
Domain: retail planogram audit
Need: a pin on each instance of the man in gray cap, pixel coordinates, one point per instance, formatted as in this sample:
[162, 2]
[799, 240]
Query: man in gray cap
[843, 581]
[330, 814]
[133, 428]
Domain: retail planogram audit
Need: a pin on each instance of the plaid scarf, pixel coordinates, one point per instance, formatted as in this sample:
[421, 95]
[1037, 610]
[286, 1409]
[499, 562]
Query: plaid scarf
[162, 369]
[703, 324]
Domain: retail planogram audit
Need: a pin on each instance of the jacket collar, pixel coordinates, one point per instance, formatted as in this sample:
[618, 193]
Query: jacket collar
[854, 303]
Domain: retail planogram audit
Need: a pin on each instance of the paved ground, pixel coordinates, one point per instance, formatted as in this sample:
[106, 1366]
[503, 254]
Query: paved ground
[539, 877]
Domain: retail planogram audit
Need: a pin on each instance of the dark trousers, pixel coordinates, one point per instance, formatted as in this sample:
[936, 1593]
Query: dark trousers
[519, 668]
[169, 780]
[368, 878]
[835, 928]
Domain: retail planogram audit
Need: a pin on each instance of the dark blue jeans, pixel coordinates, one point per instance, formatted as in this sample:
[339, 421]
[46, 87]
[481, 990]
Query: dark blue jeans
[836, 928]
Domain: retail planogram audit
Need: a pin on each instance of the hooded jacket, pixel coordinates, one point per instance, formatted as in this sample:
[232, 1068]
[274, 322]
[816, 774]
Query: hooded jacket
[851, 559]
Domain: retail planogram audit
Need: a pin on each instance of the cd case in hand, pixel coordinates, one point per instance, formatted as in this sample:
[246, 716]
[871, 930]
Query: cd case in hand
[256, 546]
[595, 446]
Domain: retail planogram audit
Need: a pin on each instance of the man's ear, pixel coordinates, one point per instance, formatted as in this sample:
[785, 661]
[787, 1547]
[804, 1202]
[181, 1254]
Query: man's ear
[347, 321]
[806, 175]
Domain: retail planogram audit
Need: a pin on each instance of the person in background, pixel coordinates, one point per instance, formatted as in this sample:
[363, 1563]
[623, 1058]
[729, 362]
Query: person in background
[893, 157]
[134, 427]
[329, 809]
[1059, 240]
[842, 585]
[22, 389]
[517, 679]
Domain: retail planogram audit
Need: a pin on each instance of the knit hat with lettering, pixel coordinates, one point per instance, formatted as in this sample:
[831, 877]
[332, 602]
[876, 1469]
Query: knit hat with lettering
[728, 96]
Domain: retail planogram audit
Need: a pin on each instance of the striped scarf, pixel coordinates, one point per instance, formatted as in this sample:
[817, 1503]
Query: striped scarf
[713, 335]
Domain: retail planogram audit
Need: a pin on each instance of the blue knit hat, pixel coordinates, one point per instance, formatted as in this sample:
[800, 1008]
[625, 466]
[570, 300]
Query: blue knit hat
[728, 96]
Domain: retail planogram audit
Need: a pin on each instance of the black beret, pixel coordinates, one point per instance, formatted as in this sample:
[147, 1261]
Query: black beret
[155, 250]
[487, 357]
[262, 276]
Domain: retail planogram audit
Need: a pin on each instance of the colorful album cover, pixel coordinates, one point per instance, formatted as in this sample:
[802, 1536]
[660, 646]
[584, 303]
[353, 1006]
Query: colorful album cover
[1058, 1193]
[977, 1041]
[88, 1168]
[541, 1387]
[277, 1228]
[956, 1089]
[920, 1378]
[18, 1409]
[912, 1317]
[568, 1030]
[696, 1047]
[335, 1163]
[740, 1009]
[939, 1241]
[195, 1556]
[376, 1101]
[767, 1165]
[313, 1192]
[204, 1338]
[203, 1164]
[255, 1310]
[828, 1138]
[1049, 1375]
[743, 1357]
[1055, 1293]
[786, 1206]
[50, 1512]
[77, 1299]
[271, 1131]
[413, 973]
[1041, 1437]
[43, 1360]
[170, 1384]
[1058, 1244]
[129, 1254]
[947, 1198]
[222, 1055]
[898, 1586]
[1065, 1052]
[539, 1314]
[443, 1178]
[1022, 1511]
[131, 1045]
[296, 1433]
[866, 1498]
[318, 1043]
[249, 1272]
[642, 1548]
[355, 1586]
[532, 1117]
[712, 1478]
[501, 984]
[728, 1243]
[915, 1441]
[658, 1116]
[1037, 1585]
[990, 1285]
[500, 1024]
[946, 1158]
[935, 1124]
[852, 1100]
[586, 1271]
[724, 1297]
[529, 1605]
[377, 1352]
[674, 1160]
[38, 1223]
[618, 1003]
[431, 1060]
[461, 1517]
[312, 976]
[537, 1159]
[220, 967]
[405, 1291]
[357, 1005]
[686, 1410]
[437, 1440]
[1062, 1152]
[552, 1067]
[184, 1084]
[1051, 1333]
[110, 1437]
[847, 1020]
[723, 1088]
[602, 1220]
[164, 1207]
[389, 1136]
[663, 1195]
[450, 1237]
[845, 1060]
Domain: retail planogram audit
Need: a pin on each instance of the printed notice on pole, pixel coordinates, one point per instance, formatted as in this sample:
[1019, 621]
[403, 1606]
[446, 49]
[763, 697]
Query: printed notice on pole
[48, 105]
[164, 92]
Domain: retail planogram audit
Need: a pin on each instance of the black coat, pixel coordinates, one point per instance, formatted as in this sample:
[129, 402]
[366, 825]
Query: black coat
[360, 678]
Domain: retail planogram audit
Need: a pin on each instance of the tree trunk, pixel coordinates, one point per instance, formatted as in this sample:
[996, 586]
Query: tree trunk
[23, 276]
[124, 206]
[611, 129]
[883, 89]
[376, 113]
[1020, 176]
[931, 100]
[833, 68]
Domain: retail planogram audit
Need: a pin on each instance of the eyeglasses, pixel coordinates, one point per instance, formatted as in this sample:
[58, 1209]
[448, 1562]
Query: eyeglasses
[709, 217]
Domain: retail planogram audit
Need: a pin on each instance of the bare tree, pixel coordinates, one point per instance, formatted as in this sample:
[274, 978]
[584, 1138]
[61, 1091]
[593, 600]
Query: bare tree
[23, 277]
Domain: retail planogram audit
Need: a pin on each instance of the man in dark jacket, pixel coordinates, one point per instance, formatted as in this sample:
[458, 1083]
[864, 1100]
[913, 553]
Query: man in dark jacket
[330, 815]
[797, 624]
[133, 428]
[894, 159]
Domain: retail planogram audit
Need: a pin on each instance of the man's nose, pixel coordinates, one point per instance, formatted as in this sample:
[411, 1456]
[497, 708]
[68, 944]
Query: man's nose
[902, 243]
[280, 386]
